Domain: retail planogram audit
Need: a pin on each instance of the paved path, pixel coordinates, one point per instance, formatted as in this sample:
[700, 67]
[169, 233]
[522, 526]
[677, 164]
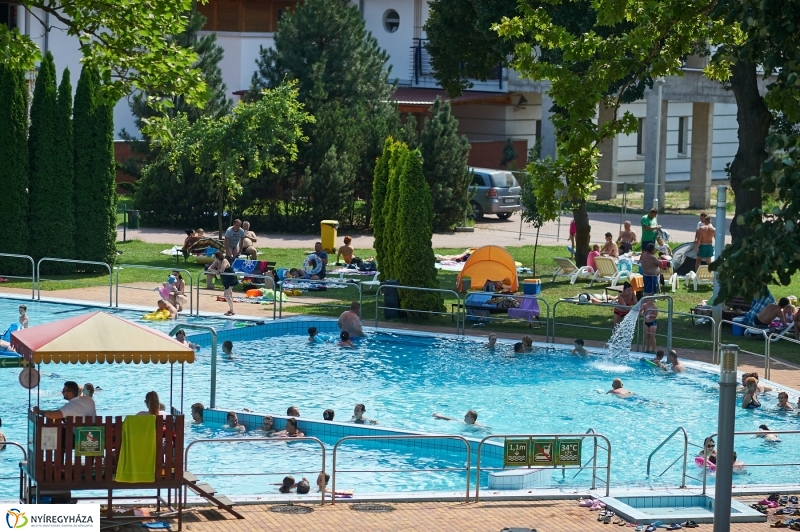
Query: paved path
[542, 515]
[488, 231]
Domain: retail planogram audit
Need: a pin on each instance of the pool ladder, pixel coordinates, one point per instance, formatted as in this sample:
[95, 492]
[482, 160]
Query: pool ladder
[592, 460]
[684, 456]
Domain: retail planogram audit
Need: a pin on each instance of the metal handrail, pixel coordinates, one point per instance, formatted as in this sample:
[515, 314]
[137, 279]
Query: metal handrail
[72, 261]
[213, 331]
[713, 328]
[751, 433]
[328, 281]
[120, 267]
[404, 437]
[594, 435]
[460, 322]
[21, 465]
[515, 296]
[18, 446]
[685, 454]
[33, 271]
[592, 459]
[581, 303]
[276, 439]
[746, 327]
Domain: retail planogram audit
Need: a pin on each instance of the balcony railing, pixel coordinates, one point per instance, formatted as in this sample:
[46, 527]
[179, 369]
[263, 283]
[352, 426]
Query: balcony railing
[421, 68]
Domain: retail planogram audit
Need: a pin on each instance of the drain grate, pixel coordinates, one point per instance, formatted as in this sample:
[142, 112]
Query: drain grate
[372, 508]
[290, 509]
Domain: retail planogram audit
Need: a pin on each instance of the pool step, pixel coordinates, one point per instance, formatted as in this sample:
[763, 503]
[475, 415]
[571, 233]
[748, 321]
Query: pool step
[209, 493]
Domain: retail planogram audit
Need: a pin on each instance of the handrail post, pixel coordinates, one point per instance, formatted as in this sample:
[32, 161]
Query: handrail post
[71, 261]
[213, 331]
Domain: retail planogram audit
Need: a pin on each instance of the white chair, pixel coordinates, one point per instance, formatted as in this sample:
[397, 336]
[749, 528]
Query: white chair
[567, 268]
[607, 271]
[700, 277]
[373, 283]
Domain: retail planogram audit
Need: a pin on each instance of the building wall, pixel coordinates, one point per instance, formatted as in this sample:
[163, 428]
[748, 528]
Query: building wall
[241, 53]
[398, 44]
[489, 153]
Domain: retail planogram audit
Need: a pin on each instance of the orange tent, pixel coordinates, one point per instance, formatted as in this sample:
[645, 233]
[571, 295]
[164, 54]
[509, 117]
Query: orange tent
[489, 263]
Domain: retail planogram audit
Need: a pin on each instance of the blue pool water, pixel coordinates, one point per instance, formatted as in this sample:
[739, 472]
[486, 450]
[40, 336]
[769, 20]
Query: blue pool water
[403, 380]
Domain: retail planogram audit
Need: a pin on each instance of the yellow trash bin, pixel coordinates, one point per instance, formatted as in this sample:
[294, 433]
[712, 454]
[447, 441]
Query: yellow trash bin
[328, 235]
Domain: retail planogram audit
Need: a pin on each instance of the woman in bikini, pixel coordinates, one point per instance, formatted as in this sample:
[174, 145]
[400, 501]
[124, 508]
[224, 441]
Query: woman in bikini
[625, 299]
[650, 313]
[750, 400]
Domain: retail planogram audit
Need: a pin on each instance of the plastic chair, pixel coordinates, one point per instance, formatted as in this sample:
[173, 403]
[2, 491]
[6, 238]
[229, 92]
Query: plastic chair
[700, 277]
[567, 268]
[372, 283]
[607, 271]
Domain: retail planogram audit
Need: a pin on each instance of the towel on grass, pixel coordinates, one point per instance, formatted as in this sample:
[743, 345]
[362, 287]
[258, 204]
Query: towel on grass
[137, 455]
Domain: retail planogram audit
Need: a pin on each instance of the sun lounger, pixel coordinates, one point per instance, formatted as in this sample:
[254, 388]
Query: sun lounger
[607, 271]
[528, 310]
[567, 268]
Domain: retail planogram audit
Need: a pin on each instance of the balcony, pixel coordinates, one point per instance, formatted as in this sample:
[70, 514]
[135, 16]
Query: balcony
[422, 72]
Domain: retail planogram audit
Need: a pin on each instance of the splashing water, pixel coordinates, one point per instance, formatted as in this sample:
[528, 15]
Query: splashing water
[622, 336]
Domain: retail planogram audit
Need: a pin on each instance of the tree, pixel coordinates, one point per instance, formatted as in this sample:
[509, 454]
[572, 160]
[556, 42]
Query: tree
[509, 154]
[254, 139]
[160, 197]
[95, 173]
[122, 41]
[14, 169]
[379, 192]
[414, 259]
[444, 153]
[391, 211]
[531, 213]
[65, 177]
[343, 80]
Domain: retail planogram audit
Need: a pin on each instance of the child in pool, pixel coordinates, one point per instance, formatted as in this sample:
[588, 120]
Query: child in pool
[490, 344]
[783, 402]
[344, 340]
[315, 337]
[578, 349]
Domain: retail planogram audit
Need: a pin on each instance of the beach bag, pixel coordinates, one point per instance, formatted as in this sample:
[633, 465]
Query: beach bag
[367, 267]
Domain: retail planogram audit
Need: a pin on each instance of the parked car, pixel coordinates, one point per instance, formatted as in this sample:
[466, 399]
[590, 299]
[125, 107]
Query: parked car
[496, 192]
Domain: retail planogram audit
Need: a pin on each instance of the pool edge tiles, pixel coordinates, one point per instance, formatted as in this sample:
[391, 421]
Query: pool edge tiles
[646, 507]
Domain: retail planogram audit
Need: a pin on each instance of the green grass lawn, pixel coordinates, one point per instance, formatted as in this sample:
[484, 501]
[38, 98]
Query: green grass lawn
[586, 321]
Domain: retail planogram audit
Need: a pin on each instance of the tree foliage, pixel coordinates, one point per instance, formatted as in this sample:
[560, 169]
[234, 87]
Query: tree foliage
[445, 154]
[255, 138]
[95, 173]
[45, 197]
[532, 212]
[343, 80]
[122, 41]
[65, 177]
[414, 259]
[14, 169]
[161, 198]
[379, 191]
[391, 210]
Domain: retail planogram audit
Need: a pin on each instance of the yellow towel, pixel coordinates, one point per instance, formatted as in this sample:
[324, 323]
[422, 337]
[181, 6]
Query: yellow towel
[137, 455]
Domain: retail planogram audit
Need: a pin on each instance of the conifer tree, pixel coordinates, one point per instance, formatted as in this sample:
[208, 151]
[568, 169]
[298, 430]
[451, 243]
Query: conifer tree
[414, 259]
[380, 183]
[391, 230]
[46, 201]
[445, 154]
[13, 169]
[65, 161]
[95, 187]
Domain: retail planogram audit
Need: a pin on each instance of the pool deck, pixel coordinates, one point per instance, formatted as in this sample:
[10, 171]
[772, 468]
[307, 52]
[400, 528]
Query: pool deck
[544, 516]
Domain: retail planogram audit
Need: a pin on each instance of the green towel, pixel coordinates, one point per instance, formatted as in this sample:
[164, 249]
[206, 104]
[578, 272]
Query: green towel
[137, 455]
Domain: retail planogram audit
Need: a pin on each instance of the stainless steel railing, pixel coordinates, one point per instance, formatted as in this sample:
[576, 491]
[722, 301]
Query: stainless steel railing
[756, 433]
[323, 282]
[71, 261]
[556, 437]
[33, 271]
[685, 455]
[254, 440]
[121, 267]
[467, 468]
[458, 314]
[763, 332]
[22, 490]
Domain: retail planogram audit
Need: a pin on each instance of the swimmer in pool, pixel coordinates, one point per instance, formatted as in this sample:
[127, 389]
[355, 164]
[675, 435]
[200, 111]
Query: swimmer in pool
[710, 450]
[197, 412]
[675, 364]
[291, 430]
[783, 402]
[267, 425]
[344, 340]
[767, 434]
[470, 418]
[314, 336]
[578, 349]
[293, 411]
[233, 424]
[227, 348]
[760, 388]
[519, 347]
[490, 344]
[527, 344]
[358, 416]
[750, 400]
[181, 337]
[618, 389]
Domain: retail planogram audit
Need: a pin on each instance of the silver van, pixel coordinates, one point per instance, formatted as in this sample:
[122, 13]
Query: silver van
[496, 192]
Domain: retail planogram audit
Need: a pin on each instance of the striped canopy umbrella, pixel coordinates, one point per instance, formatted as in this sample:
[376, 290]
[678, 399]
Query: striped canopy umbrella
[98, 337]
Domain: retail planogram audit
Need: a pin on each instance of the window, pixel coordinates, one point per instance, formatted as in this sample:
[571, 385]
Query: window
[640, 137]
[683, 133]
[477, 180]
[504, 180]
[391, 21]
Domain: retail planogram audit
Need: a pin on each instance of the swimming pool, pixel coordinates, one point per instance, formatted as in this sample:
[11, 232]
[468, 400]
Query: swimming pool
[403, 379]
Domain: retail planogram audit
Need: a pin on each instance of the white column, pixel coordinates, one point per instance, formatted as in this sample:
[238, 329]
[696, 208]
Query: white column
[655, 148]
[607, 170]
[21, 18]
[702, 147]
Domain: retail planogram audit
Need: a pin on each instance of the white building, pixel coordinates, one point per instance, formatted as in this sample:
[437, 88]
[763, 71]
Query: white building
[698, 137]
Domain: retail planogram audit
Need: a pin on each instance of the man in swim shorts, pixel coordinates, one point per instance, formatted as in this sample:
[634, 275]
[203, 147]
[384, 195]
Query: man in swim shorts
[626, 238]
[704, 243]
[771, 312]
[651, 270]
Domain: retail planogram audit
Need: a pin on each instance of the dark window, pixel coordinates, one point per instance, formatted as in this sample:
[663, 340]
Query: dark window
[477, 180]
[683, 130]
[640, 137]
